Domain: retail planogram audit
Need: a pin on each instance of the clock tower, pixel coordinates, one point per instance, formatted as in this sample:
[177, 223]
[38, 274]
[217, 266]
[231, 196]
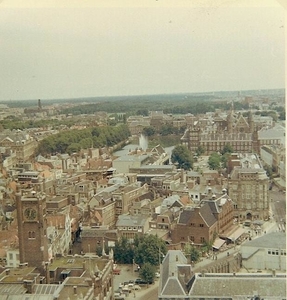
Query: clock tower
[32, 228]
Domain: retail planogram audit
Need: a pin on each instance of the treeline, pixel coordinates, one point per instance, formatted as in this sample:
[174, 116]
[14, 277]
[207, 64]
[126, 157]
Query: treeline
[13, 122]
[74, 140]
[193, 105]
[138, 104]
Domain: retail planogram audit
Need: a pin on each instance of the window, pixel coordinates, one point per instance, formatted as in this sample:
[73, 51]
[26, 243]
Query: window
[202, 239]
[192, 224]
[201, 225]
[31, 234]
[191, 238]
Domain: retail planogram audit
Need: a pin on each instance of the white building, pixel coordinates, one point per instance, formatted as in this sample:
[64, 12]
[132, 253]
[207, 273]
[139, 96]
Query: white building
[12, 258]
[267, 252]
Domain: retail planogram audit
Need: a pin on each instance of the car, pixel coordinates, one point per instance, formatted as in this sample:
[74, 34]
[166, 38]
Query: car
[126, 290]
[157, 274]
[137, 287]
[121, 285]
[140, 281]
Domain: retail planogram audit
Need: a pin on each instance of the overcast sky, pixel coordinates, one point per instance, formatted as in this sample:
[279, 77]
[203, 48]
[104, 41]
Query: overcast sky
[127, 47]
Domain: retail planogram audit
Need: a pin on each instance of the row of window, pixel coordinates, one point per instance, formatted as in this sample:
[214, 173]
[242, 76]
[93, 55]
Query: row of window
[194, 225]
[192, 239]
[277, 252]
[31, 235]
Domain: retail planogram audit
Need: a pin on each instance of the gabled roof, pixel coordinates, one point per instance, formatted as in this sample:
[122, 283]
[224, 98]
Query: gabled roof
[204, 211]
[175, 274]
[129, 220]
[207, 215]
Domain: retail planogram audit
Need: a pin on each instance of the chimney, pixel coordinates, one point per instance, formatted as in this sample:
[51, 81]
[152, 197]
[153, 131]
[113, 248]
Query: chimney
[182, 177]
[209, 191]
[190, 184]
[75, 289]
[28, 284]
[47, 272]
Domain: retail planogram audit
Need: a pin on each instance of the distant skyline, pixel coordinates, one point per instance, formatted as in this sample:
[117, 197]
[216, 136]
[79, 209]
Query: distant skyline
[71, 49]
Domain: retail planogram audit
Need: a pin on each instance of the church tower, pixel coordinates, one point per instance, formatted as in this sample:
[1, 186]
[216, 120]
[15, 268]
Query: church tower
[32, 229]
[251, 122]
[230, 118]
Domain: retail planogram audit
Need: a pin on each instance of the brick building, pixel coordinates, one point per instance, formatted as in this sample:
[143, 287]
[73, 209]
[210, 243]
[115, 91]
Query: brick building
[248, 188]
[195, 226]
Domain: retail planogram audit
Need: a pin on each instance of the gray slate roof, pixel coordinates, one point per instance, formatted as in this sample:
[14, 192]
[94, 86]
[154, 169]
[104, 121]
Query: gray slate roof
[175, 271]
[270, 240]
[219, 286]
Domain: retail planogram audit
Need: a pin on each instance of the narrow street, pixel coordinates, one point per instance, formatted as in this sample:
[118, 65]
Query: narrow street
[278, 207]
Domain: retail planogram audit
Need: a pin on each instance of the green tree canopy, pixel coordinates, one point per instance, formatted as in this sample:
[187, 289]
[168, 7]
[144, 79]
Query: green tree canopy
[214, 161]
[182, 156]
[123, 252]
[70, 141]
[149, 249]
[147, 272]
[148, 131]
[200, 150]
[227, 149]
[194, 254]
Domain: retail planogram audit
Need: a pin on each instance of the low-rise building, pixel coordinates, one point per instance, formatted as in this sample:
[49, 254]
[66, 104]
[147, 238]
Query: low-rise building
[178, 281]
[129, 226]
[267, 252]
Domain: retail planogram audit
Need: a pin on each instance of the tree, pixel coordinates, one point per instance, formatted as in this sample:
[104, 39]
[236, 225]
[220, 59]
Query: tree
[194, 254]
[148, 131]
[200, 150]
[123, 252]
[147, 272]
[214, 161]
[166, 129]
[149, 249]
[227, 149]
[142, 112]
[182, 156]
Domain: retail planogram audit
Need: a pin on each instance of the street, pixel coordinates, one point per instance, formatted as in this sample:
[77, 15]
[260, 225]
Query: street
[278, 207]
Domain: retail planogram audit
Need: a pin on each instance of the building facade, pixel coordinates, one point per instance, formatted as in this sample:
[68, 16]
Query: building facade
[248, 188]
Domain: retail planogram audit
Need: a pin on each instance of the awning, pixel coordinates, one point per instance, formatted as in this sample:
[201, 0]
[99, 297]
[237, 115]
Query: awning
[258, 222]
[236, 234]
[218, 243]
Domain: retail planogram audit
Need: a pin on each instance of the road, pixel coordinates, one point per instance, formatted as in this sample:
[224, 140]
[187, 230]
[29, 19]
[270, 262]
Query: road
[147, 292]
[278, 207]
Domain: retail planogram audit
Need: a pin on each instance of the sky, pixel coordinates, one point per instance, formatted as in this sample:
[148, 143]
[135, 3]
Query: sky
[82, 48]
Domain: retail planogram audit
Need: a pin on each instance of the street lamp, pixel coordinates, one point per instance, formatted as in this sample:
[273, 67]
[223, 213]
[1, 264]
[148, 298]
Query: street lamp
[160, 254]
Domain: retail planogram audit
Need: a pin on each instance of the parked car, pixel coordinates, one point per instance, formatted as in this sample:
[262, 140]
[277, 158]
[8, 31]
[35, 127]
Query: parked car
[157, 274]
[140, 281]
[126, 290]
[137, 287]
